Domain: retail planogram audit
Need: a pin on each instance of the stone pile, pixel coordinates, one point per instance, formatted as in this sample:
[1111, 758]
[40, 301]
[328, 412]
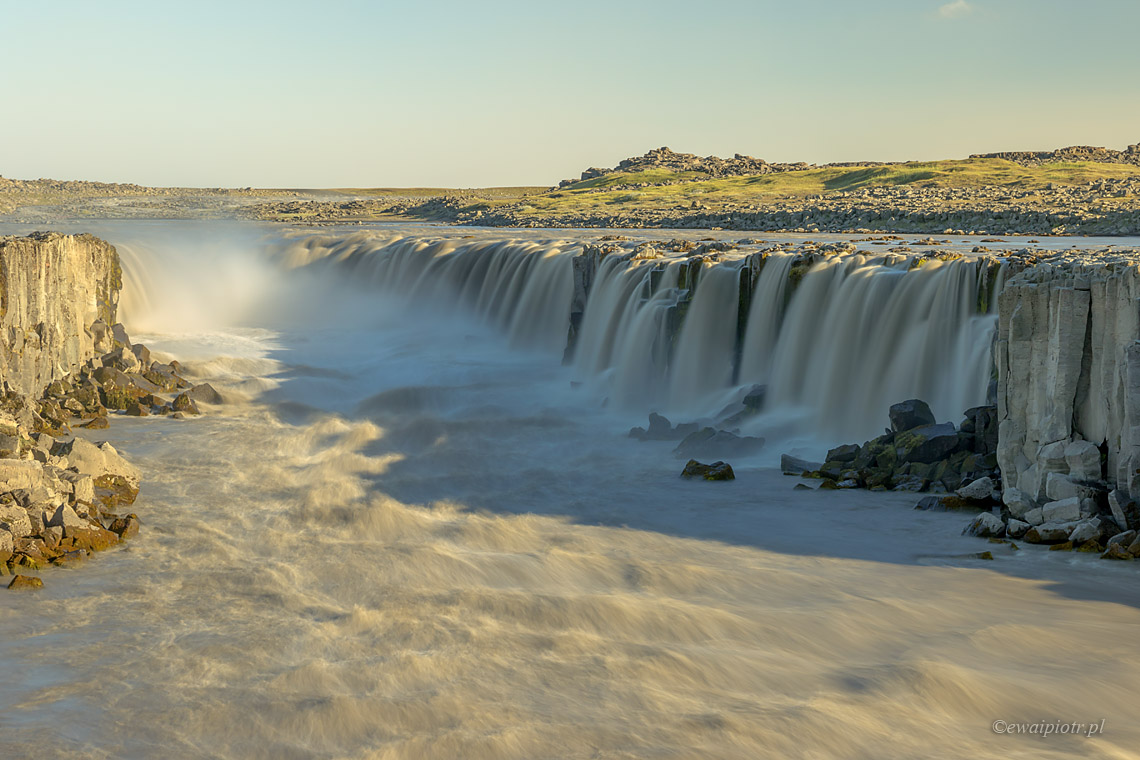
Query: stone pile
[916, 454]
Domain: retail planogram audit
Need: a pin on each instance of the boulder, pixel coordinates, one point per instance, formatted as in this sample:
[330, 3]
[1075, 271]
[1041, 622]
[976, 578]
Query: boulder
[1126, 538]
[927, 444]
[1083, 460]
[1062, 510]
[14, 520]
[1058, 487]
[844, 454]
[1116, 551]
[25, 583]
[65, 517]
[1092, 529]
[710, 442]
[126, 527]
[185, 404]
[204, 393]
[981, 489]
[1048, 533]
[1017, 502]
[1124, 510]
[1016, 528]
[97, 461]
[714, 471]
[985, 525]
[908, 415]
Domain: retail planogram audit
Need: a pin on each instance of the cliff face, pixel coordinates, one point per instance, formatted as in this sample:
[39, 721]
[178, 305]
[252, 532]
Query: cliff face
[53, 289]
[1068, 361]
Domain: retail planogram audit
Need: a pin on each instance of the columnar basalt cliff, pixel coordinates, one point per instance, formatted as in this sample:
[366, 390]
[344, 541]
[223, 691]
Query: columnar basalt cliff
[1068, 359]
[58, 297]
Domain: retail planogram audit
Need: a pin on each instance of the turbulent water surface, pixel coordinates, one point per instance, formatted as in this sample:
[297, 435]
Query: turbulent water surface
[413, 532]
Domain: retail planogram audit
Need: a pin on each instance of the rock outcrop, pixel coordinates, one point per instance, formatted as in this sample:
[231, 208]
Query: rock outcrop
[54, 289]
[1068, 364]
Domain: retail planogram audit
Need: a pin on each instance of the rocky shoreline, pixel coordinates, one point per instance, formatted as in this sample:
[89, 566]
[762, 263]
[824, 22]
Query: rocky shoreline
[65, 363]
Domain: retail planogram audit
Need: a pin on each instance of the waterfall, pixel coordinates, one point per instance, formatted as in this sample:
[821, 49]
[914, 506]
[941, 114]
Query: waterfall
[835, 338]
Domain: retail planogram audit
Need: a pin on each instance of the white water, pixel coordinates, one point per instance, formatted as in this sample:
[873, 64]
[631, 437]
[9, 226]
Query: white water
[411, 540]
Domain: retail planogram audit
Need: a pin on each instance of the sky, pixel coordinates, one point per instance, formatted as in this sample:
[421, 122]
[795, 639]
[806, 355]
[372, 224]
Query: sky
[499, 92]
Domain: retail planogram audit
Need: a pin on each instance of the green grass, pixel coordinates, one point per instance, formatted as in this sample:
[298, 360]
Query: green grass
[621, 189]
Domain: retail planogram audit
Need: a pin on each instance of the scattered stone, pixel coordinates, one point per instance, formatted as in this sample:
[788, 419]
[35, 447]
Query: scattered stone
[1048, 533]
[714, 471]
[25, 583]
[1016, 528]
[981, 489]
[184, 404]
[985, 525]
[1116, 551]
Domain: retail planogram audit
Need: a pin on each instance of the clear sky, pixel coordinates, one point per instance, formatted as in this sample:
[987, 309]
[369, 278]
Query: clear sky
[497, 92]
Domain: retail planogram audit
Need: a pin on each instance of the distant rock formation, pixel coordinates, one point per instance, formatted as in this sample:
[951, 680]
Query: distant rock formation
[1130, 155]
[663, 158]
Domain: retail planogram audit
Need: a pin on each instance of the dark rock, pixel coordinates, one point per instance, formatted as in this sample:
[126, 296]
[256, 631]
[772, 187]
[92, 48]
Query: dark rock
[126, 527]
[714, 471]
[845, 453]
[926, 444]
[911, 414]
[791, 465]
[1116, 551]
[710, 442]
[754, 400]
[25, 583]
[185, 404]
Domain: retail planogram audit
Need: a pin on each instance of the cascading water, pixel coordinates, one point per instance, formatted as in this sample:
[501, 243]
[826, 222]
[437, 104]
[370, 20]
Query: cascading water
[836, 341]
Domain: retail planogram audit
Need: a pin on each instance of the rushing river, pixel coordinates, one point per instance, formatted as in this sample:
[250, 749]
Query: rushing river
[412, 532]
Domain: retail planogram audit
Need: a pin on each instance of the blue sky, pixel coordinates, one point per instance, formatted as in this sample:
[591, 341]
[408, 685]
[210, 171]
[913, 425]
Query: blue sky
[336, 94]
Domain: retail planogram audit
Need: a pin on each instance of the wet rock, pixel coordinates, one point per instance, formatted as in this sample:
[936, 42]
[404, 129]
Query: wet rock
[927, 444]
[843, 454]
[1066, 546]
[908, 415]
[985, 525]
[714, 471]
[802, 487]
[791, 465]
[1048, 533]
[1090, 547]
[1087, 530]
[126, 527]
[947, 503]
[1116, 551]
[92, 538]
[982, 490]
[1125, 539]
[1016, 528]
[184, 404]
[710, 442]
[70, 558]
[98, 423]
[25, 583]
[204, 393]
